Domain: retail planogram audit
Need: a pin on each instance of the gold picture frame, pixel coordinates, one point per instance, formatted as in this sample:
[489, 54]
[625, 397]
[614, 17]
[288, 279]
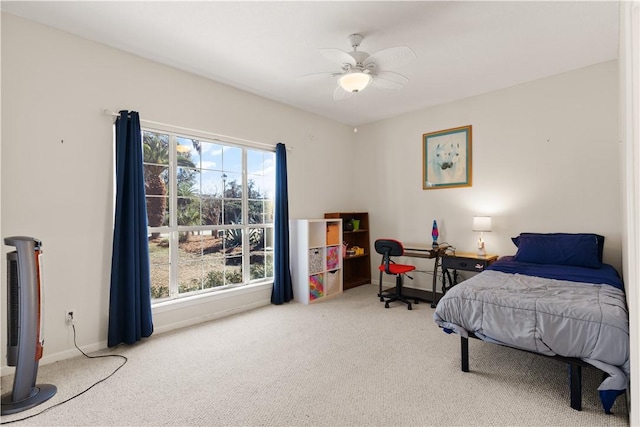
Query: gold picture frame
[446, 158]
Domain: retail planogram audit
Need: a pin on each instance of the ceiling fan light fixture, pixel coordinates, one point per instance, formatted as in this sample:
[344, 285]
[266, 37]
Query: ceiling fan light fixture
[355, 81]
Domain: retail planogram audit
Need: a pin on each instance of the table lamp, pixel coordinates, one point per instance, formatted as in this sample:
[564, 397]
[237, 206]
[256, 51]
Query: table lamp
[481, 224]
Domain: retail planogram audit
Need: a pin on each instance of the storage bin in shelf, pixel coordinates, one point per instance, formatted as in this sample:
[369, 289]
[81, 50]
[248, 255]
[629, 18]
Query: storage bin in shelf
[316, 286]
[333, 257]
[333, 234]
[332, 282]
[316, 259]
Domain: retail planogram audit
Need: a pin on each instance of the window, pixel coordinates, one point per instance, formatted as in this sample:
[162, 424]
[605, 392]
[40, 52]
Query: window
[210, 209]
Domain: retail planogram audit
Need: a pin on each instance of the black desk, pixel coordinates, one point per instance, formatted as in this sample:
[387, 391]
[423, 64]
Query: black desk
[419, 250]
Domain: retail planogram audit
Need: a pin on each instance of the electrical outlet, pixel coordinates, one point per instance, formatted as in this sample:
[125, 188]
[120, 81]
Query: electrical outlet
[69, 316]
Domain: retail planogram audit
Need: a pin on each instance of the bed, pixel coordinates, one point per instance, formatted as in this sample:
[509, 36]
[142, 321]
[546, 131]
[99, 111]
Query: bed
[554, 297]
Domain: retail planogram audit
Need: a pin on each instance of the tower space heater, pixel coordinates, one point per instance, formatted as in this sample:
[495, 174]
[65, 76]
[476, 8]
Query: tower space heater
[24, 325]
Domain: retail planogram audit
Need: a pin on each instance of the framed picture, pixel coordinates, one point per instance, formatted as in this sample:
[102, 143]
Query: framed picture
[446, 158]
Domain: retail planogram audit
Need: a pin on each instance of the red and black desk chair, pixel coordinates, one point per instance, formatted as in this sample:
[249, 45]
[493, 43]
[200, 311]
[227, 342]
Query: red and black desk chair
[393, 248]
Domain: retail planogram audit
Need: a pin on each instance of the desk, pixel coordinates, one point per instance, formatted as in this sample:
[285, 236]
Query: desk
[420, 250]
[465, 261]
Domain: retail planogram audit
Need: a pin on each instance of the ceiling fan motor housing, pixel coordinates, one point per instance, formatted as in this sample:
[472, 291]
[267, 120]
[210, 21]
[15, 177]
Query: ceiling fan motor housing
[359, 57]
[355, 40]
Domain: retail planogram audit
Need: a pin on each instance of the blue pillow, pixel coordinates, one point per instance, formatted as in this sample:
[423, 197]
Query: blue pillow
[581, 249]
[598, 237]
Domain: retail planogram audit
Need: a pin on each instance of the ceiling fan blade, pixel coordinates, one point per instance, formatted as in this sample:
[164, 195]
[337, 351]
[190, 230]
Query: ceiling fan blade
[389, 80]
[315, 76]
[392, 57]
[338, 56]
[339, 94]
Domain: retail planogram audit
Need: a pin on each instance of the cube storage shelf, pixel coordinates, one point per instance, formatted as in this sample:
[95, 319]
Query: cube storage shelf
[316, 258]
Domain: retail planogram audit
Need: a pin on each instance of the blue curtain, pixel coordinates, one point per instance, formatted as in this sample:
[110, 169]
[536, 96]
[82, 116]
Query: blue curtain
[130, 296]
[282, 287]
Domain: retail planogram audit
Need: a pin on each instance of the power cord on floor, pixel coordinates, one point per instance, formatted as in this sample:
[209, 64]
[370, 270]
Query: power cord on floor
[124, 358]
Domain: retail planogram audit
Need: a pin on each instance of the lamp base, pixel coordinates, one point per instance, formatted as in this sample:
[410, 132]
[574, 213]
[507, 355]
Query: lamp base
[481, 250]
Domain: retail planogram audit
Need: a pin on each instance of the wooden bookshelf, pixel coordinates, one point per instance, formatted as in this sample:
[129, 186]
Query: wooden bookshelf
[356, 268]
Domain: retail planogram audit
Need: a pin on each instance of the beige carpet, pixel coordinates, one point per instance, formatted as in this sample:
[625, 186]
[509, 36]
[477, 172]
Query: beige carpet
[343, 362]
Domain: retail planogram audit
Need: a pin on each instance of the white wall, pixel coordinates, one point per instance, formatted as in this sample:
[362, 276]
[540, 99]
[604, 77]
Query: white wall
[57, 166]
[545, 159]
[630, 162]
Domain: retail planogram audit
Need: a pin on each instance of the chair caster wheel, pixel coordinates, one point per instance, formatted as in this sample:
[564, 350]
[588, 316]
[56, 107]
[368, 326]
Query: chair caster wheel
[386, 305]
[381, 299]
[409, 307]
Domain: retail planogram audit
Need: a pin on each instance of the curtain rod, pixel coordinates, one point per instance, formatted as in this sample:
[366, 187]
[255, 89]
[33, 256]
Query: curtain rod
[197, 131]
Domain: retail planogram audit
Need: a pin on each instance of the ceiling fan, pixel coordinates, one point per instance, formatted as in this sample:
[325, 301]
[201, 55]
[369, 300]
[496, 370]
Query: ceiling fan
[359, 69]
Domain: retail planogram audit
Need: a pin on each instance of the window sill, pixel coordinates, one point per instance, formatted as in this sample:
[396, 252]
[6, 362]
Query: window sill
[178, 303]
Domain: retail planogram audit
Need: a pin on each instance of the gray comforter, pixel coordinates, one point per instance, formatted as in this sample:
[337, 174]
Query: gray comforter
[547, 316]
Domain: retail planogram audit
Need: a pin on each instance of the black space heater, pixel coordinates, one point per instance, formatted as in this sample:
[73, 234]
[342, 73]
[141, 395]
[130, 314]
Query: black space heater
[24, 325]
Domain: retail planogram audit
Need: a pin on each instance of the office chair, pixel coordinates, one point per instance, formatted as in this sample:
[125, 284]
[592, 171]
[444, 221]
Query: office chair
[388, 248]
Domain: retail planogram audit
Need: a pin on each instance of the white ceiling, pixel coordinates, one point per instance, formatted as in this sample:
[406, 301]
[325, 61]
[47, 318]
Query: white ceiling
[462, 48]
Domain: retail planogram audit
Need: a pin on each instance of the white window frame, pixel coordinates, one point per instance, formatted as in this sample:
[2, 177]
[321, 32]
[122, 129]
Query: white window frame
[173, 229]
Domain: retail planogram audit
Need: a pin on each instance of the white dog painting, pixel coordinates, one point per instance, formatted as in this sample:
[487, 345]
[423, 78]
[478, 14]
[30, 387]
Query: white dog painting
[447, 158]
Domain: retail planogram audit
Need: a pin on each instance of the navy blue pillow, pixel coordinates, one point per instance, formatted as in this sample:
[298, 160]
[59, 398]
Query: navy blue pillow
[598, 237]
[580, 249]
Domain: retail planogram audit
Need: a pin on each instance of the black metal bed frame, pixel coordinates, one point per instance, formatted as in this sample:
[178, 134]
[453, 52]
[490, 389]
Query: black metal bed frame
[575, 370]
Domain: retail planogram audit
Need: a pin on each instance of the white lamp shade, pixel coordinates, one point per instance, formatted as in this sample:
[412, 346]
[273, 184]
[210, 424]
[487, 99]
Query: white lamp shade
[354, 82]
[481, 223]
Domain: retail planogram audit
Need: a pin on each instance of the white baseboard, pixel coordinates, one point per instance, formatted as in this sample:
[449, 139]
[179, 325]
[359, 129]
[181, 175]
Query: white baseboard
[90, 348]
[210, 317]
